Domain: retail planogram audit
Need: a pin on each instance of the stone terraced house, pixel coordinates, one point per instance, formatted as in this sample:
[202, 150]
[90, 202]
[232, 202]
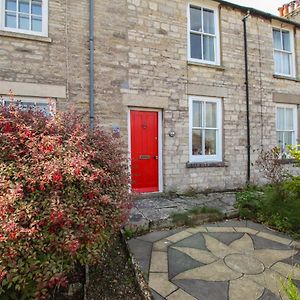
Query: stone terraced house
[195, 88]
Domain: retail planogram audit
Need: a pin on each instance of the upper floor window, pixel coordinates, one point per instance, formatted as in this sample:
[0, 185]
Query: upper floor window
[283, 45]
[203, 40]
[205, 129]
[286, 126]
[25, 16]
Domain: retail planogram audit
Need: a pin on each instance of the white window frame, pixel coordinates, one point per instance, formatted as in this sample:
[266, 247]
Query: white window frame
[295, 122]
[206, 158]
[215, 8]
[35, 100]
[292, 52]
[44, 31]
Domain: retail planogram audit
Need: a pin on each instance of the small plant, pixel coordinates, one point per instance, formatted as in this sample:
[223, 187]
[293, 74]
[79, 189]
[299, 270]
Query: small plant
[291, 289]
[248, 203]
[197, 216]
[190, 192]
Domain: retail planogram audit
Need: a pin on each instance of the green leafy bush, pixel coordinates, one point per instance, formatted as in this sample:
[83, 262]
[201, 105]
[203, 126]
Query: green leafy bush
[63, 194]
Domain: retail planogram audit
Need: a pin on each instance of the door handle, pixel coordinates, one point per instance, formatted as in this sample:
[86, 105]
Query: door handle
[155, 157]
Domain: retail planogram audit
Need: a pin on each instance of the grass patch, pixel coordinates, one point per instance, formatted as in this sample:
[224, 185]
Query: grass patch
[197, 216]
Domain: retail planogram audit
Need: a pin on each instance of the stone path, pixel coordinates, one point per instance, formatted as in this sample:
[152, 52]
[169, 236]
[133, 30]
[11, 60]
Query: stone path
[154, 212]
[231, 260]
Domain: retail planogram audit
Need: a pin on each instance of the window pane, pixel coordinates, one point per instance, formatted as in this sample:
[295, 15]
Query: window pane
[10, 20]
[280, 118]
[210, 142]
[277, 62]
[277, 39]
[286, 63]
[24, 22]
[196, 47]
[280, 140]
[11, 5]
[286, 40]
[36, 24]
[197, 113]
[288, 138]
[209, 48]
[24, 6]
[208, 21]
[196, 19]
[197, 142]
[289, 122]
[36, 8]
[211, 115]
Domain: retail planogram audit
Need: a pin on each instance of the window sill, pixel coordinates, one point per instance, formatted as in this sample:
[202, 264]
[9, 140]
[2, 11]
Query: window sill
[286, 78]
[200, 64]
[194, 165]
[287, 161]
[24, 36]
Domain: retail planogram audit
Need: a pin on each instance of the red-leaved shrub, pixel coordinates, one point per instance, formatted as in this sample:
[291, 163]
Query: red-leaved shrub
[63, 193]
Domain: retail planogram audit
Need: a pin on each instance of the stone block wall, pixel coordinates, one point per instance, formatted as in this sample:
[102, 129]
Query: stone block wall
[141, 61]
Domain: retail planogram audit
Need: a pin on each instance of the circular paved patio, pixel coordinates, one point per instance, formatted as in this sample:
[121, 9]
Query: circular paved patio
[226, 261]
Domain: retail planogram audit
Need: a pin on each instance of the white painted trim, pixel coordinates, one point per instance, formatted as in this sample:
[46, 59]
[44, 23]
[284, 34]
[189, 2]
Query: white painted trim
[215, 8]
[292, 42]
[160, 153]
[206, 158]
[295, 119]
[45, 12]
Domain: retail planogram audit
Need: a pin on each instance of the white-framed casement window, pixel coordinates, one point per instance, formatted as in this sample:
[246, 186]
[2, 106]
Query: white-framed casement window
[24, 16]
[205, 129]
[48, 106]
[283, 44]
[286, 126]
[203, 34]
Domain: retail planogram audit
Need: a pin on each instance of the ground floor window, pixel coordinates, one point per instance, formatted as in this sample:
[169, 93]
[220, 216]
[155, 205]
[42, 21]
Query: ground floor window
[205, 114]
[48, 106]
[286, 126]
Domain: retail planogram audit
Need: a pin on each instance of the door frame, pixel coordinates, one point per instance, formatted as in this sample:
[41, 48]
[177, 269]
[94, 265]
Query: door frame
[160, 156]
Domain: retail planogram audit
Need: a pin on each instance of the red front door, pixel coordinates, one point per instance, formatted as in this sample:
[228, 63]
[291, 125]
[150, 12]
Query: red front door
[144, 151]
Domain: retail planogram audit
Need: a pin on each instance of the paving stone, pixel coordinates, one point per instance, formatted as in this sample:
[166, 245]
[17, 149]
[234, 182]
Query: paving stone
[244, 264]
[268, 295]
[246, 230]
[244, 289]
[165, 203]
[156, 236]
[156, 296]
[244, 244]
[216, 247]
[159, 262]
[141, 251]
[161, 245]
[195, 241]
[269, 256]
[233, 223]
[296, 244]
[217, 271]
[160, 283]
[202, 256]
[204, 289]
[293, 260]
[274, 238]
[227, 238]
[180, 262]
[262, 243]
[160, 214]
[145, 203]
[287, 270]
[228, 199]
[179, 236]
[197, 229]
[220, 229]
[263, 228]
[268, 279]
[180, 295]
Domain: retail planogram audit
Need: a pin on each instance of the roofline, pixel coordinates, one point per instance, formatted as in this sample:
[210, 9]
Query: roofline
[255, 11]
